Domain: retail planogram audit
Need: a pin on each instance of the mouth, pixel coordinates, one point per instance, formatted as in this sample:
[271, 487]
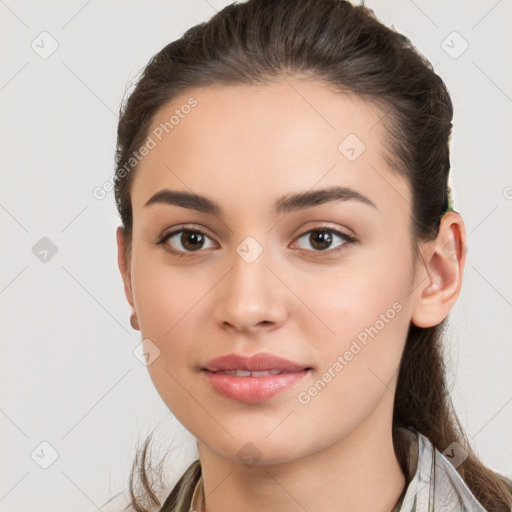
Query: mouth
[247, 373]
[253, 379]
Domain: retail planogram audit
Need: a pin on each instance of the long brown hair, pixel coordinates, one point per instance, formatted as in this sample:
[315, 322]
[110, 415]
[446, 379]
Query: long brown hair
[348, 48]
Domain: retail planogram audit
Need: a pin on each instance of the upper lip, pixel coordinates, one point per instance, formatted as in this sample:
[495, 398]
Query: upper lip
[256, 363]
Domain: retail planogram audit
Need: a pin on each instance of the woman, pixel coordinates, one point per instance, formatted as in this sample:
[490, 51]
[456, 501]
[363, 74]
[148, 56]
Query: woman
[290, 254]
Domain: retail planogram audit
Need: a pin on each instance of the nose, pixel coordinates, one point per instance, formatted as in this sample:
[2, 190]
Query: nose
[250, 298]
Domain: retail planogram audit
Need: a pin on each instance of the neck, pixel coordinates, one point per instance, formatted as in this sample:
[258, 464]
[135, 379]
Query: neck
[358, 472]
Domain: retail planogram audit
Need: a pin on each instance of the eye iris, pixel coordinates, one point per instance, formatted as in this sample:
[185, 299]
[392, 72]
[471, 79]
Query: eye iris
[324, 238]
[192, 237]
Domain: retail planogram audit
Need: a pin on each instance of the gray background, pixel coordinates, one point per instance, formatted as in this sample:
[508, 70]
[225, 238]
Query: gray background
[69, 376]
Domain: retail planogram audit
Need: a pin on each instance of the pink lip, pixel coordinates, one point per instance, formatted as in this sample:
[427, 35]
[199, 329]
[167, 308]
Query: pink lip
[253, 389]
[256, 363]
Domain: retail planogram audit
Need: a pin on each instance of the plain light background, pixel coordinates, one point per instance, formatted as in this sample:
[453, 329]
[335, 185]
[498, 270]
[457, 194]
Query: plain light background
[69, 377]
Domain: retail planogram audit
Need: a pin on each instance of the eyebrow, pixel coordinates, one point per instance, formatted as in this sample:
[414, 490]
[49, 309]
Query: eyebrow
[286, 204]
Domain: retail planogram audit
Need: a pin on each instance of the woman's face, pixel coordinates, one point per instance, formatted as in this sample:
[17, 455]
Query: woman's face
[326, 282]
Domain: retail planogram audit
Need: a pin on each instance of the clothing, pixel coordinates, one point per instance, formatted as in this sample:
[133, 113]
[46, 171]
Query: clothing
[432, 482]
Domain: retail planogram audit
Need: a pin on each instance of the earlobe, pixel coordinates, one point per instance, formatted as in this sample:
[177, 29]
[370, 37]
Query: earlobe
[124, 267]
[440, 278]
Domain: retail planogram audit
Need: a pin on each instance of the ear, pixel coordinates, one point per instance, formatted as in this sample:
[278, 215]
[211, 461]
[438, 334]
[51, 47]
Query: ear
[440, 279]
[123, 262]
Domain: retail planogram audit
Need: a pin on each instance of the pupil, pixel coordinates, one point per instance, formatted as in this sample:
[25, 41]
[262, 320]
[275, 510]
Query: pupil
[191, 238]
[323, 238]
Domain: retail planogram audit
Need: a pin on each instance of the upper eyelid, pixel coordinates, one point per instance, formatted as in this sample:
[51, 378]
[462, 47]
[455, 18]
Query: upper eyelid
[315, 227]
[186, 228]
[179, 229]
[320, 227]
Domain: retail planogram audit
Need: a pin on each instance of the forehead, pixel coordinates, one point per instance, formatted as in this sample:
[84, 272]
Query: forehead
[267, 139]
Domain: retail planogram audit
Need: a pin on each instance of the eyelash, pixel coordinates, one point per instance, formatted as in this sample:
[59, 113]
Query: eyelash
[348, 240]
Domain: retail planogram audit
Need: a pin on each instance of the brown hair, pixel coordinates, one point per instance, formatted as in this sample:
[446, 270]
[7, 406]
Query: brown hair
[347, 47]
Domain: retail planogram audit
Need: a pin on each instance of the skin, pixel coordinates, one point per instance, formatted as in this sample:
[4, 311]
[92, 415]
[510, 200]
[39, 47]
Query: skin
[243, 147]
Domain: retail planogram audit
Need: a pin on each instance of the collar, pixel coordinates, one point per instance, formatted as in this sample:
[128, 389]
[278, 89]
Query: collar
[197, 501]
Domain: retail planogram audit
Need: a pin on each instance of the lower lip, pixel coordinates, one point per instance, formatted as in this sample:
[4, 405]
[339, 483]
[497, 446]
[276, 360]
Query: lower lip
[253, 389]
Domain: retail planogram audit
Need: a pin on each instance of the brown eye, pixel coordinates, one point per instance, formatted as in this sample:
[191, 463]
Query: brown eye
[322, 239]
[192, 240]
[185, 241]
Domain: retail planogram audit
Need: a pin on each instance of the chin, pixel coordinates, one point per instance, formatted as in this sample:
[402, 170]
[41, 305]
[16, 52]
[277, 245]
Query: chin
[255, 447]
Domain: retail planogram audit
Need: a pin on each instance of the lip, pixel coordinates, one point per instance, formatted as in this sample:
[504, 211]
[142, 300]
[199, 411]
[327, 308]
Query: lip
[251, 389]
[255, 363]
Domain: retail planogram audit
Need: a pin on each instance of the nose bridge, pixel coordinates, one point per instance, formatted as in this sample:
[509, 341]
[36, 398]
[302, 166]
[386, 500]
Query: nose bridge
[250, 292]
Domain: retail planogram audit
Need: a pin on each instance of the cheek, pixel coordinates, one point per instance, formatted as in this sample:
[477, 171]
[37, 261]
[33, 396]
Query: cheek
[345, 301]
[165, 312]
[360, 324]
[166, 300]
[164, 296]
[356, 367]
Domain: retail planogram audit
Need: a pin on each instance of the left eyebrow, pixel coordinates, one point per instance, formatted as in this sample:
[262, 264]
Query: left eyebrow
[311, 198]
[285, 204]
